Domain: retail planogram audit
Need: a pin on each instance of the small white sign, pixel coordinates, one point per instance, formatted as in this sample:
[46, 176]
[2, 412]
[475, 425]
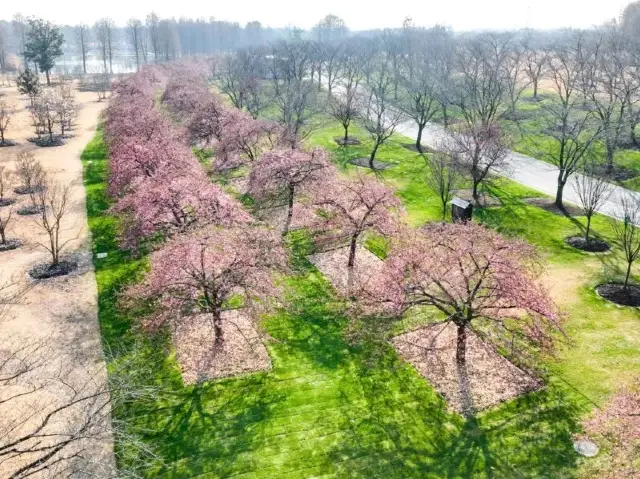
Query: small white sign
[102, 255]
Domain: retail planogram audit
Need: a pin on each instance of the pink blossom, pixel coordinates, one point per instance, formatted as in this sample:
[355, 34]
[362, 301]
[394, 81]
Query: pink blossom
[201, 271]
[280, 175]
[477, 278]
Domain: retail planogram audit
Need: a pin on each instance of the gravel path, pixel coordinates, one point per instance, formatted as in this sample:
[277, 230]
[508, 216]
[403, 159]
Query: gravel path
[60, 313]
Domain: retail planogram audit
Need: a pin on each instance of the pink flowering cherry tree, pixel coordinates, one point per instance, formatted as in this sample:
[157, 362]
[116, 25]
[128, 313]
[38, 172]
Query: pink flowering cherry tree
[168, 204]
[617, 426]
[243, 139]
[479, 280]
[354, 206]
[200, 272]
[282, 174]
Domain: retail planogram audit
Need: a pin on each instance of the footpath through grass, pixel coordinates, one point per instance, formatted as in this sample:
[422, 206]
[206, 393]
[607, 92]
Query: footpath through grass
[327, 409]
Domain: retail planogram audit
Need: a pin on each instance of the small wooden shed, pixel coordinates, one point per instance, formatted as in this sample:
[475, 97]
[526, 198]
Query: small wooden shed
[461, 210]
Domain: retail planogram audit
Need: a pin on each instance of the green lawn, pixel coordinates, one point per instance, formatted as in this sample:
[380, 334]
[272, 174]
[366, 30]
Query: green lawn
[330, 409]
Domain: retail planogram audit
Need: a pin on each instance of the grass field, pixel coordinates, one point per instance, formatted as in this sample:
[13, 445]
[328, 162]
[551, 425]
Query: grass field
[331, 409]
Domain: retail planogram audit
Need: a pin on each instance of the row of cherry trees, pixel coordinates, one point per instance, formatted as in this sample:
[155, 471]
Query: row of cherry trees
[213, 249]
[480, 280]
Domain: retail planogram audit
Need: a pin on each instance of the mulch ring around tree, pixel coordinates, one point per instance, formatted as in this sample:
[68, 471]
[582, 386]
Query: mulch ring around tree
[46, 270]
[549, 205]
[617, 173]
[30, 210]
[377, 165]
[242, 350]
[46, 142]
[10, 244]
[25, 190]
[425, 148]
[486, 200]
[613, 292]
[7, 143]
[333, 265]
[593, 245]
[351, 140]
[7, 202]
[491, 377]
[276, 216]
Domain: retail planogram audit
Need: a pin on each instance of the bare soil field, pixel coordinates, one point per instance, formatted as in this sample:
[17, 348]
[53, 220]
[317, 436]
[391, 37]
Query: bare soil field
[59, 314]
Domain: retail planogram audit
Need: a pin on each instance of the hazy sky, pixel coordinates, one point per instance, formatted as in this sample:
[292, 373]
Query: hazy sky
[358, 14]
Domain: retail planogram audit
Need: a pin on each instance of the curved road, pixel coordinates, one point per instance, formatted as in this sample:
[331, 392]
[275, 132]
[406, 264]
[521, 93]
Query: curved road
[528, 171]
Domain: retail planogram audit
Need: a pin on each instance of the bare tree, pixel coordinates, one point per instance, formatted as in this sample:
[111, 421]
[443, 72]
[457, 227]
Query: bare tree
[6, 183]
[54, 202]
[104, 31]
[482, 86]
[627, 232]
[443, 178]
[82, 40]
[573, 131]
[344, 109]
[153, 27]
[134, 35]
[55, 418]
[293, 95]
[593, 190]
[20, 29]
[378, 116]
[609, 85]
[420, 103]
[5, 218]
[535, 61]
[241, 78]
[7, 111]
[31, 175]
[45, 111]
[478, 150]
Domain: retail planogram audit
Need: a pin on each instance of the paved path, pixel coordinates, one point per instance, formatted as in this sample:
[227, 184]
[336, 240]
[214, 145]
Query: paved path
[528, 171]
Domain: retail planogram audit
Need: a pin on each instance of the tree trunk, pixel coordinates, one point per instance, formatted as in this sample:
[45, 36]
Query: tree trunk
[352, 261]
[373, 155]
[634, 138]
[1, 137]
[46, 72]
[287, 223]
[461, 345]
[626, 278]
[475, 196]
[445, 118]
[346, 134]
[444, 209]
[3, 238]
[535, 88]
[419, 137]
[560, 192]
[586, 235]
[610, 153]
[217, 327]
[84, 62]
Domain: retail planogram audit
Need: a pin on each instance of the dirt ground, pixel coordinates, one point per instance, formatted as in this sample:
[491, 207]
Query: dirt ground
[60, 313]
[487, 380]
[333, 265]
[241, 352]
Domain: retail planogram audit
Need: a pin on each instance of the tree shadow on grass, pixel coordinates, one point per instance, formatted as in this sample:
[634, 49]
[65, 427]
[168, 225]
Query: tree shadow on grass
[214, 427]
[528, 437]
